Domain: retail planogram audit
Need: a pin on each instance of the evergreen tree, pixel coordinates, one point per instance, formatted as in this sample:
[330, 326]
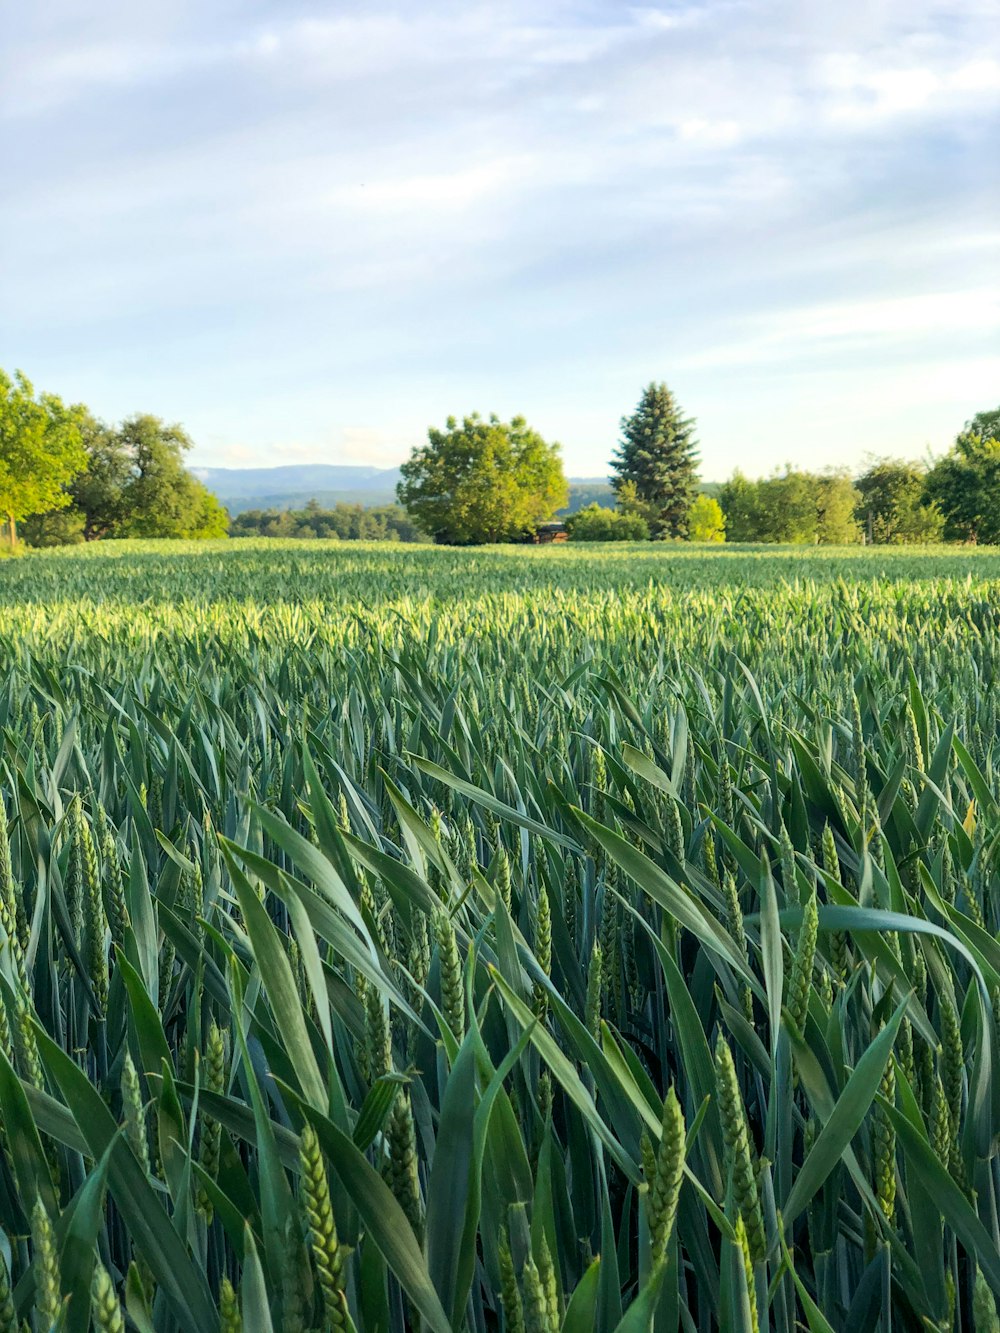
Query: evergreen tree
[657, 453]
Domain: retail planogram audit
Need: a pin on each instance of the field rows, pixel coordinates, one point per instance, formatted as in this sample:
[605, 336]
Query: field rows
[521, 939]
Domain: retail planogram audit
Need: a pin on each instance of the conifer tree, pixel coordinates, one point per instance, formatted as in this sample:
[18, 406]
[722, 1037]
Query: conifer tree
[657, 454]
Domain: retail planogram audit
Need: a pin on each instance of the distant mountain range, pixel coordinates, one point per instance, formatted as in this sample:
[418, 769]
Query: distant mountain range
[294, 485]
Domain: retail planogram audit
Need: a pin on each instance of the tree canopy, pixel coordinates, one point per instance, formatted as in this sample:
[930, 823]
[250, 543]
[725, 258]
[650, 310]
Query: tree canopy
[965, 483]
[134, 484]
[791, 506]
[893, 507]
[161, 497]
[706, 521]
[345, 522]
[482, 481]
[657, 461]
[41, 450]
[597, 523]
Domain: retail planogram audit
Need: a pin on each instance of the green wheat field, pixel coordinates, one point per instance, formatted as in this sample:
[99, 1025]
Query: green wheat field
[499, 939]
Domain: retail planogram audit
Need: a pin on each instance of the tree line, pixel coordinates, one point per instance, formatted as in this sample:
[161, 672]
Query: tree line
[66, 477]
[346, 522]
[894, 501]
[486, 480]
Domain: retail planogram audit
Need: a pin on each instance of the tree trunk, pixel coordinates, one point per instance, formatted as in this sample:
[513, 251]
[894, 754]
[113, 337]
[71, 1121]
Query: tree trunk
[11, 531]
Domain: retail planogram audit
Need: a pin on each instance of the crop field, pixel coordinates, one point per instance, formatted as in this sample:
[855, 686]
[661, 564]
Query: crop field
[524, 939]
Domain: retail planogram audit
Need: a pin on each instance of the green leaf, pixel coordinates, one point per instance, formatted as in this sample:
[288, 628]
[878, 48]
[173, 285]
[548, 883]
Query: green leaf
[581, 1310]
[384, 1220]
[484, 798]
[844, 1120]
[681, 905]
[957, 1211]
[254, 1305]
[450, 1188]
[183, 1285]
[279, 983]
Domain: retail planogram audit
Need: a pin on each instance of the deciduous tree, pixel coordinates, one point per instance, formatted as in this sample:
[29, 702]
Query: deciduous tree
[41, 450]
[836, 498]
[893, 507]
[965, 484]
[482, 481]
[706, 521]
[596, 523]
[161, 497]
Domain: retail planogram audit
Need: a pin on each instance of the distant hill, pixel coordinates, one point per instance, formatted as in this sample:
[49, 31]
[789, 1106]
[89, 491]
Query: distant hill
[294, 485]
[288, 487]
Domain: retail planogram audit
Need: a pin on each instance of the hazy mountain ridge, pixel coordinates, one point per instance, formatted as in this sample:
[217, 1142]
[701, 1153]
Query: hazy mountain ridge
[292, 485]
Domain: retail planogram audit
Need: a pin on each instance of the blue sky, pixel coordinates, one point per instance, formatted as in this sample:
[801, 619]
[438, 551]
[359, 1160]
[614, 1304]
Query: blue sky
[307, 231]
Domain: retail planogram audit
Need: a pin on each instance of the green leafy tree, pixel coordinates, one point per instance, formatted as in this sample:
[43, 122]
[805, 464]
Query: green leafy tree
[739, 499]
[134, 484]
[99, 493]
[919, 521]
[627, 495]
[965, 484]
[788, 502]
[41, 450]
[791, 507]
[984, 424]
[57, 527]
[482, 481]
[706, 521]
[161, 498]
[657, 454]
[893, 507]
[836, 501]
[597, 524]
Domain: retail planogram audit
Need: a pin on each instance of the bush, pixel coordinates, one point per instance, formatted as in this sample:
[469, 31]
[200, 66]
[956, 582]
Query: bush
[595, 524]
[60, 527]
[706, 521]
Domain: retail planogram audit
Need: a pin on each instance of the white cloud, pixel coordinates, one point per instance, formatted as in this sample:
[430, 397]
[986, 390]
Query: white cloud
[863, 91]
[841, 328]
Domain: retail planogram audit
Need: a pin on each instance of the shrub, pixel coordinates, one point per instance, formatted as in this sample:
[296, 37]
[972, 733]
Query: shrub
[706, 521]
[596, 524]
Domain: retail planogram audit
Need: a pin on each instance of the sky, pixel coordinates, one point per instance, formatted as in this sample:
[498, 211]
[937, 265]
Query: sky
[309, 231]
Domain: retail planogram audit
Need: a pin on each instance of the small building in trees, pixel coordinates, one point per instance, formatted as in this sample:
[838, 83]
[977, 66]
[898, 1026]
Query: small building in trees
[549, 532]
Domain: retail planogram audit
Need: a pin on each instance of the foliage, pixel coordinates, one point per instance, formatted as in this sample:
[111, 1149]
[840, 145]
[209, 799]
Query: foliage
[836, 500]
[57, 527]
[597, 524]
[630, 502]
[791, 506]
[161, 498]
[892, 505]
[738, 499]
[788, 507]
[135, 484]
[41, 450]
[657, 454]
[781, 508]
[965, 484]
[347, 522]
[482, 481]
[444, 937]
[100, 493]
[706, 521]
[985, 424]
